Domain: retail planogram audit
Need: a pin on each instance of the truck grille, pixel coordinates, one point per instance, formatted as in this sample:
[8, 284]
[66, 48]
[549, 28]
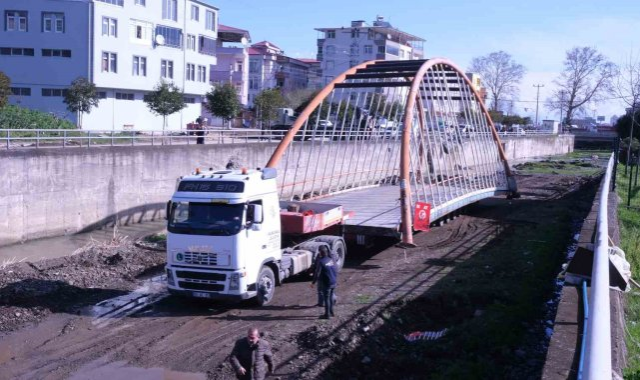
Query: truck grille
[205, 258]
[201, 275]
[199, 286]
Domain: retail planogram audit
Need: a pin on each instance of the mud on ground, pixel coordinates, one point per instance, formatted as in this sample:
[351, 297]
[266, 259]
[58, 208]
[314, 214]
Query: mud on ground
[485, 277]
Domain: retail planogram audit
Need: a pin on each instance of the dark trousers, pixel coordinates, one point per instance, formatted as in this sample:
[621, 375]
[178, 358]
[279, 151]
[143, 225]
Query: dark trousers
[327, 294]
[200, 139]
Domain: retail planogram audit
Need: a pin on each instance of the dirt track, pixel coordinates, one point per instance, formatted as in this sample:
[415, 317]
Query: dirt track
[56, 336]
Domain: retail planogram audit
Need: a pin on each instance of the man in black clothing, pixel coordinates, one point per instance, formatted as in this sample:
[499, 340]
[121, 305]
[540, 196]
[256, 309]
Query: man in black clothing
[251, 355]
[326, 274]
[200, 130]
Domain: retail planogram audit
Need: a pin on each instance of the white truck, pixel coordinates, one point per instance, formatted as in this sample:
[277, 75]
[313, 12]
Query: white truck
[227, 230]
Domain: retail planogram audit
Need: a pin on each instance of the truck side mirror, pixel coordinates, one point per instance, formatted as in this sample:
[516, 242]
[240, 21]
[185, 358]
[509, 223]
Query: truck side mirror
[168, 211]
[257, 216]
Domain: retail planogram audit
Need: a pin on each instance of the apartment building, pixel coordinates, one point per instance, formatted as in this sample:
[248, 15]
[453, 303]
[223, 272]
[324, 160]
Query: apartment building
[232, 60]
[341, 48]
[125, 47]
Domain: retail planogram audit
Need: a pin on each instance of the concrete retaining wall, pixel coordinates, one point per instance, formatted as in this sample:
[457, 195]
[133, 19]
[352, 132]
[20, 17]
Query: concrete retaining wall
[50, 192]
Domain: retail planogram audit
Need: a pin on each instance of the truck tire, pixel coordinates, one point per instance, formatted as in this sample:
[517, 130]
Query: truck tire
[266, 286]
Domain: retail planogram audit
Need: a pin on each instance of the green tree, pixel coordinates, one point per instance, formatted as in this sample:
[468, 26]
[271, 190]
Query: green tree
[5, 89]
[266, 104]
[81, 97]
[223, 102]
[165, 99]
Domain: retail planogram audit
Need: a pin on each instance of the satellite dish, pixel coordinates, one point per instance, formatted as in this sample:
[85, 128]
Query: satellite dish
[244, 41]
[159, 39]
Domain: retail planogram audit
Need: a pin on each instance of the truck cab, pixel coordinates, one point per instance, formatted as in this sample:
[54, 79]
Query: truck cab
[224, 236]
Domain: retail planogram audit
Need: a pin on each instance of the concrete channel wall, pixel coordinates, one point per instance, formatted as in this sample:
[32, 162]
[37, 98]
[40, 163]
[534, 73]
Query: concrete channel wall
[52, 192]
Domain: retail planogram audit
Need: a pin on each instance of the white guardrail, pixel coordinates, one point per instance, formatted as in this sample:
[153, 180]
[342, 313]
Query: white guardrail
[64, 138]
[598, 349]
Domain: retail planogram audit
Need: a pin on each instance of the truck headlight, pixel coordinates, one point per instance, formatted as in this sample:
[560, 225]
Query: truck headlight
[234, 281]
[179, 257]
[170, 278]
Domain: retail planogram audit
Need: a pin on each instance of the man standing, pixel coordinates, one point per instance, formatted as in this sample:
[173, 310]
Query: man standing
[251, 355]
[326, 275]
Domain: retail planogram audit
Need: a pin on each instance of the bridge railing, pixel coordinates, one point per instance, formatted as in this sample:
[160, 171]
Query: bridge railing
[67, 138]
[597, 359]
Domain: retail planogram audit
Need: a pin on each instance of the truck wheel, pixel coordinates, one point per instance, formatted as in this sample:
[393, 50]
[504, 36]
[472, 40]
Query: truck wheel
[266, 286]
[340, 250]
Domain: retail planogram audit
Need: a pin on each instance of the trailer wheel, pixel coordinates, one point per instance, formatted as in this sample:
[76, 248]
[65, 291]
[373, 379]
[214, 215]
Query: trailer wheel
[266, 286]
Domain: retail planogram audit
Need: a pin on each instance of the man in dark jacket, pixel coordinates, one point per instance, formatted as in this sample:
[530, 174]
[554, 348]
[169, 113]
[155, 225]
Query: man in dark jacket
[251, 357]
[326, 274]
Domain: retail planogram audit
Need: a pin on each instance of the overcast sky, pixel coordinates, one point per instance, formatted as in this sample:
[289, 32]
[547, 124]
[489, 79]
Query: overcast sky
[537, 34]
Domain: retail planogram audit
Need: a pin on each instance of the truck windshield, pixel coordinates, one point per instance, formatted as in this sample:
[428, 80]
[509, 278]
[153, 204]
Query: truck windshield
[205, 218]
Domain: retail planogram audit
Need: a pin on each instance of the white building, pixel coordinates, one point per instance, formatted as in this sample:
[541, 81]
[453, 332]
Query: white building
[125, 47]
[341, 48]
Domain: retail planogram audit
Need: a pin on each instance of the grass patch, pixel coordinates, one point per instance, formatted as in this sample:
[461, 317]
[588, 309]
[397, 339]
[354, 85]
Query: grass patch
[629, 219]
[156, 238]
[364, 299]
[581, 163]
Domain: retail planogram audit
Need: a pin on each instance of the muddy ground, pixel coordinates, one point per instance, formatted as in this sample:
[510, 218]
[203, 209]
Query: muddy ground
[49, 330]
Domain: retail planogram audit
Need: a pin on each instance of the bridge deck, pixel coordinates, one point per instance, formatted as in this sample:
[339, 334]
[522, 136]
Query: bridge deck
[376, 209]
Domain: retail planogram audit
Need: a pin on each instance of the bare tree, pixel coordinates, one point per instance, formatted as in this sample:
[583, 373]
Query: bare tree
[586, 77]
[627, 87]
[500, 74]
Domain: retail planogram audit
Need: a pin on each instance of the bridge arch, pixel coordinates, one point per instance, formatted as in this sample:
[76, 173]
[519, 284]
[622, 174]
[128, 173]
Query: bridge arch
[417, 128]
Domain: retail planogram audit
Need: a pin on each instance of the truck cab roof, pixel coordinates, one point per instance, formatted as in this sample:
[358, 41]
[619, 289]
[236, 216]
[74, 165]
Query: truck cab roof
[234, 184]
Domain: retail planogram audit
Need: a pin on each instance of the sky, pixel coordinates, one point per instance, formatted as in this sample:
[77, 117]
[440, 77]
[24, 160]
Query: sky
[537, 34]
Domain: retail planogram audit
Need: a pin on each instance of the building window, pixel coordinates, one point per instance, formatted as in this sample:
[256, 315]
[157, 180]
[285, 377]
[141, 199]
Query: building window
[114, 2]
[207, 45]
[189, 99]
[254, 67]
[331, 50]
[170, 10]
[17, 51]
[139, 66]
[172, 36]
[101, 94]
[56, 53]
[52, 22]
[202, 74]
[254, 84]
[109, 27]
[125, 96]
[166, 69]
[16, 20]
[210, 21]
[368, 49]
[329, 65]
[109, 62]
[191, 42]
[331, 34]
[195, 13]
[141, 2]
[355, 49]
[54, 92]
[355, 33]
[140, 31]
[191, 71]
[21, 91]
[380, 49]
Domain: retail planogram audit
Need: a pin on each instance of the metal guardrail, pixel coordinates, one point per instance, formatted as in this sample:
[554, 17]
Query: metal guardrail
[598, 332]
[67, 138]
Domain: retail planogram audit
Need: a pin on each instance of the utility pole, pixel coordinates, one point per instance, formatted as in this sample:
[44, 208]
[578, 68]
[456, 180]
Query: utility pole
[561, 104]
[537, 86]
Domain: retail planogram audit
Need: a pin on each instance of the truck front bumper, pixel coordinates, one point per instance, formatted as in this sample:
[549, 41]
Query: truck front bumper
[210, 295]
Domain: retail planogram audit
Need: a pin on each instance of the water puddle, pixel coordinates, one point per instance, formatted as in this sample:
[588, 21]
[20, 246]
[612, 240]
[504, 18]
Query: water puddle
[108, 311]
[99, 370]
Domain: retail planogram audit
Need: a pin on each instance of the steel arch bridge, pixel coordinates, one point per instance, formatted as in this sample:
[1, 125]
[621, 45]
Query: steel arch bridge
[385, 135]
